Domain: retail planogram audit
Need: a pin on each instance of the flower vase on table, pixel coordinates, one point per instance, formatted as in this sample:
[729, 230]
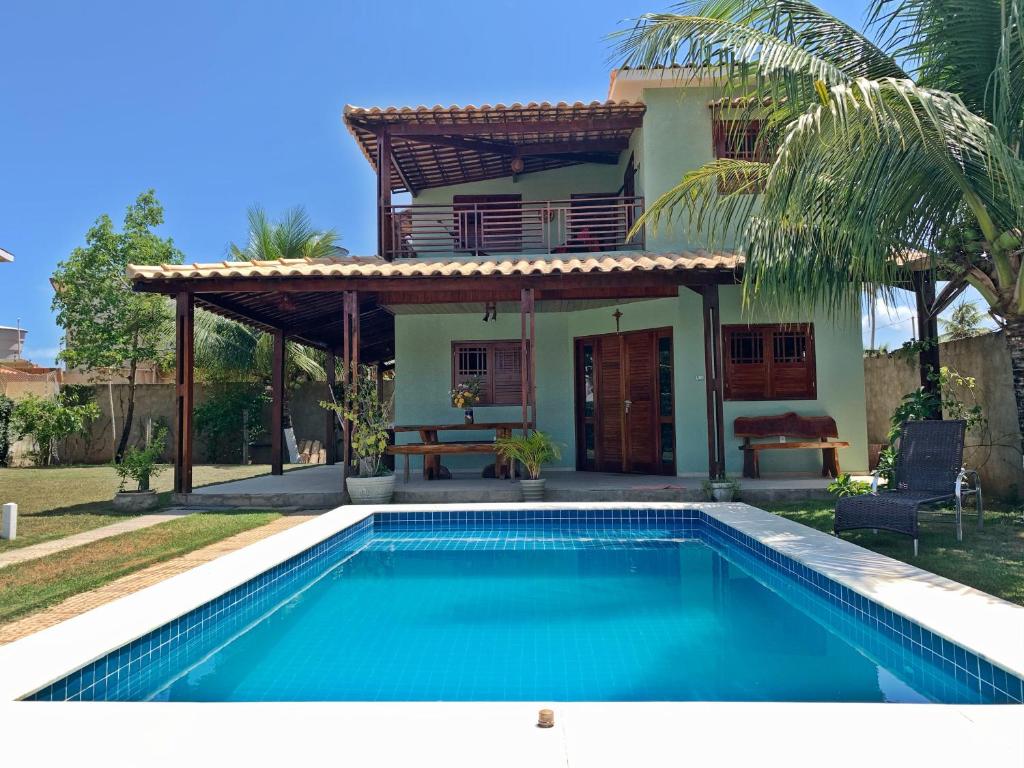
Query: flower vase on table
[465, 395]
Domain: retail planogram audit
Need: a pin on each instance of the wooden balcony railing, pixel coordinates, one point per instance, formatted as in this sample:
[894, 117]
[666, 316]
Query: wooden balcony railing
[580, 225]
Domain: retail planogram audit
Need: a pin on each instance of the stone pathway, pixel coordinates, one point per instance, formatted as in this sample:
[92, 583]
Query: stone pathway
[133, 582]
[45, 548]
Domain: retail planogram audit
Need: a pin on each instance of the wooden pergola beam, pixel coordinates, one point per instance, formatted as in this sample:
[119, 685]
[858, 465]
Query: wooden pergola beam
[508, 149]
[574, 125]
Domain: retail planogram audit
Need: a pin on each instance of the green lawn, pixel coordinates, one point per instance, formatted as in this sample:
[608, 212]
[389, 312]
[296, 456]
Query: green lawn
[33, 585]
[991, 560]
[60, 501]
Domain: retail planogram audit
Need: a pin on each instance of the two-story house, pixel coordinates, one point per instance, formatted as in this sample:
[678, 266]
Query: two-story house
[505, 255]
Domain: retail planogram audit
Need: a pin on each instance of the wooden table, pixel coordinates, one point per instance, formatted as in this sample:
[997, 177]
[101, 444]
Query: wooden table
[432, 469]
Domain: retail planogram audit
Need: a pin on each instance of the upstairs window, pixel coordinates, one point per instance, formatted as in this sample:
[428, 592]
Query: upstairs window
[737, 140]
[769, 362]
[496, 364]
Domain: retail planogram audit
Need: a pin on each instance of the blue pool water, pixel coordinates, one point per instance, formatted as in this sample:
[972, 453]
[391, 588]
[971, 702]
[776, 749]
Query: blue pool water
[506, 611]
[648, 621]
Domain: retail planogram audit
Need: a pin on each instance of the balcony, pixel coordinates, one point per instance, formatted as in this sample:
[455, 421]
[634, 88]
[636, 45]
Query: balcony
[583, 224]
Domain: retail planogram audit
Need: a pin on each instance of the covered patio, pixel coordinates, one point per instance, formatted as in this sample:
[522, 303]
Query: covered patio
[347, 307]
[319, 487]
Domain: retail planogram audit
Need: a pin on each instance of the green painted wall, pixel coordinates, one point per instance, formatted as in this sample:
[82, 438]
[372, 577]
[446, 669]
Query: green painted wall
[423, 358]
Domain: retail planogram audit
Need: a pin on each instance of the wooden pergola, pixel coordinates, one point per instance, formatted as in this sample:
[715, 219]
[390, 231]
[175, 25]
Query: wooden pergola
[342, 306]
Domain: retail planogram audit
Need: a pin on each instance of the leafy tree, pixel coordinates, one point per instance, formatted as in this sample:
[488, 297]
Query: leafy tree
[48, 421]
[905, 138]
[230, 351]
[106, 324]
[963, 323]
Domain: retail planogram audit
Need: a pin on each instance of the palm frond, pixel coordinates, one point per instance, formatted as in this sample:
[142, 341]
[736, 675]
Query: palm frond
[949, 45]
[709, 201]
[873, 173]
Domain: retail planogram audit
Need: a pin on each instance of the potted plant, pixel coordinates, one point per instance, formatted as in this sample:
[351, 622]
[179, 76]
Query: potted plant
[532, 451]
[465, 395]
[371, 422]
[141, 465]
[722, 488]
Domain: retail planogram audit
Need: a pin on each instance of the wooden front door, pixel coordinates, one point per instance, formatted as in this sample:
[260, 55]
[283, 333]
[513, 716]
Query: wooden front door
[624, 402]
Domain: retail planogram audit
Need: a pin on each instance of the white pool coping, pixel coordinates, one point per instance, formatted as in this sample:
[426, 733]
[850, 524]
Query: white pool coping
[991, 628]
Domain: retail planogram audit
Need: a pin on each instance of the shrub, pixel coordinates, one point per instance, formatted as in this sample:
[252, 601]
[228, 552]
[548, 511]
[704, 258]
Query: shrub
[532, 451]
[844, 485]
[48, 421]
[371, 421]
[6, 411]
[219, 418]
[141, 464]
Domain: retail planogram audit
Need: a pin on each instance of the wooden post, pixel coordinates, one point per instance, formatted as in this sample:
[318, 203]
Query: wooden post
[531, 355]
[927, 332]
[524, 384]
[184, 379]
[346, 367]
[330, 417]
[277, 406]
[384, 224]
[714, 383]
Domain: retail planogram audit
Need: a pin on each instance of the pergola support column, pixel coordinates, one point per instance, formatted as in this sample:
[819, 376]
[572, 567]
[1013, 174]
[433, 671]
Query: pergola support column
[714, 382]
[277, 406]
[927, 332]
[330, 417]
[350, 362]
[527, 355]
[384, 163]
[184, 384]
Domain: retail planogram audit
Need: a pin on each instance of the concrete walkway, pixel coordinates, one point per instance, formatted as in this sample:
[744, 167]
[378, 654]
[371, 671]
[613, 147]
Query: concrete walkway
[133, 582]
[87, 537]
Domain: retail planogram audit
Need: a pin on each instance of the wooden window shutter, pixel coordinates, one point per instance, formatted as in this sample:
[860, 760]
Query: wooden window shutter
[793, 368]
[495, 363]
[746, 363]
[769, 362]
[507, 373]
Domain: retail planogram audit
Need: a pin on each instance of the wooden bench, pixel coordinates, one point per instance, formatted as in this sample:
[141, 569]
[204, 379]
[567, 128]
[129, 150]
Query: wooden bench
[432, 455]
[813, 432]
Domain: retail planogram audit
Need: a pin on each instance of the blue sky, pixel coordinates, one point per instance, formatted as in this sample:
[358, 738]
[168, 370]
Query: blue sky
[220, 105]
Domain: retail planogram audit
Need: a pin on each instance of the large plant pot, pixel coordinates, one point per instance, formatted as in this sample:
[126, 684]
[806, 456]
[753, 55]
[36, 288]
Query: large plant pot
[371, 490]
[135, 501]
[533, 490]
[723, 491]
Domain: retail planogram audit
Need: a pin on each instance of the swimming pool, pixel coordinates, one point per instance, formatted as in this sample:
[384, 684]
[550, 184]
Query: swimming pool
[630, 604]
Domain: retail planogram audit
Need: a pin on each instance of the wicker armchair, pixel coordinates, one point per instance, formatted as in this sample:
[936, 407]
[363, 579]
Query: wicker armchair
[929, 469]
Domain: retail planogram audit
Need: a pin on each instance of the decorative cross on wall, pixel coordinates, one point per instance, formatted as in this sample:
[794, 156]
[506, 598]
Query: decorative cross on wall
[618, 316]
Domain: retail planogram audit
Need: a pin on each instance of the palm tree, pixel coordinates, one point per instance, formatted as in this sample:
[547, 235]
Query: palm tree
[963, 323]
[901, 141]
[227, 350]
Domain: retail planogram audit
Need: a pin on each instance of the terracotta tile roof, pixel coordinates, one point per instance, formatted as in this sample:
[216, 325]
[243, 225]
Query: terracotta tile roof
[495, 132]
[412, 268]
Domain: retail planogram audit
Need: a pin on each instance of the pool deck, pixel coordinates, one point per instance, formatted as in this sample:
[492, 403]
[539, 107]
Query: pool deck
[319, 487]
[500, 734]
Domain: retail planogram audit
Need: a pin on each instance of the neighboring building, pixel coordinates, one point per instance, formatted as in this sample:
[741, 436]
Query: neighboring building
[6, 256]
[12, 342]
[510, 254]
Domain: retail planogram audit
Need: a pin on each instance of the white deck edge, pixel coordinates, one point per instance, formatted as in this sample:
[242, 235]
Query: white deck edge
[989, 627]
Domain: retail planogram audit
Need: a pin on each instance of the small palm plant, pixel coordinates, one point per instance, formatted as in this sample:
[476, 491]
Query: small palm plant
[532, 451]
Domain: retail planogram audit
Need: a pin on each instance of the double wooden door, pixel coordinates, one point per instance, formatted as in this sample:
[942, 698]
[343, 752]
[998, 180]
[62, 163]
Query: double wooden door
[624, 402]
